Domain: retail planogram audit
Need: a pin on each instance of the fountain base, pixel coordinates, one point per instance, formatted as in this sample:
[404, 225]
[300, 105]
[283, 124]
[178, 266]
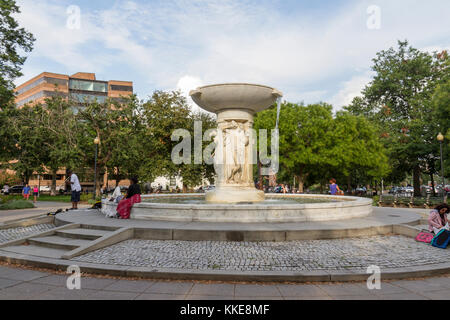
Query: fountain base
[231, 195]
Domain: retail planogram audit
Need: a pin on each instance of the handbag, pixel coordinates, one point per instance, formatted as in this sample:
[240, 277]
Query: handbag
[425, 237]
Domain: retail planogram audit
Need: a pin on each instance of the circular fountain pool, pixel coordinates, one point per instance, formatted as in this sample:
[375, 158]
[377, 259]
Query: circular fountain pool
[277, 208]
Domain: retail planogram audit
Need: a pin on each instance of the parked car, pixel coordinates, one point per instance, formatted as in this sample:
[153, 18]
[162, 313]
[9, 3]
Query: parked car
[394, 190]
[15, 190]
[409, 189]
[5, 189]
[44, 189]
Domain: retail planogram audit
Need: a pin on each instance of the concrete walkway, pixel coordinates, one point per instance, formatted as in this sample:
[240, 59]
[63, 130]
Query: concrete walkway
[21, 284]
[42, 207]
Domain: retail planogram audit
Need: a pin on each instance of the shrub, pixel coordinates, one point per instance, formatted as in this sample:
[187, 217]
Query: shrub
[16, 205]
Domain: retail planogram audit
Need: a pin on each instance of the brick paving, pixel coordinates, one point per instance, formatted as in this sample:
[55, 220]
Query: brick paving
[16, 233]
[338, 254]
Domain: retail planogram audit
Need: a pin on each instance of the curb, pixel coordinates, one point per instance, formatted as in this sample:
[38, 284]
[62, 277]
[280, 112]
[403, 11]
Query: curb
[223, 275]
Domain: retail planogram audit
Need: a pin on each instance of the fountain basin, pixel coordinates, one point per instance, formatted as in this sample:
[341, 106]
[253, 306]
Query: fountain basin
[163, 208]
[237, 96]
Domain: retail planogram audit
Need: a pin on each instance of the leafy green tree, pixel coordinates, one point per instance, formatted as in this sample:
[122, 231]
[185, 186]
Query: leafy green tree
[164, 113]
[60, 136]
[304, 143]
[398, 100]
[13, 39]
[25, 156]
[119, 128]
[358, 149]
[314, 146]
[441, 105]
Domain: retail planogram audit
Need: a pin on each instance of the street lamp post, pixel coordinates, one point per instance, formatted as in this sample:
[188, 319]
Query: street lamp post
[440, 138]
[96, 142]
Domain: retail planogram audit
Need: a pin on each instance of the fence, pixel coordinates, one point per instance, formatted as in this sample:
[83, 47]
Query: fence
[398, 201]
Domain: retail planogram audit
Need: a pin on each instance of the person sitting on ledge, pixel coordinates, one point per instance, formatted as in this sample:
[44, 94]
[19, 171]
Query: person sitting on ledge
[438, 218]
[133, 196]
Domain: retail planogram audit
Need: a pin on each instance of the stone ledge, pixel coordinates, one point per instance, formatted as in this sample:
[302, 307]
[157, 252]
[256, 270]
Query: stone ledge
[262, 276]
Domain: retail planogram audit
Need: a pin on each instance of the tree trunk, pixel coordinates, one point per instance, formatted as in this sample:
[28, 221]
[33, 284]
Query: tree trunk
[416, 180]
[301, 184]
[432, 184]
[349, 184]
[53, 187]
[301, 181]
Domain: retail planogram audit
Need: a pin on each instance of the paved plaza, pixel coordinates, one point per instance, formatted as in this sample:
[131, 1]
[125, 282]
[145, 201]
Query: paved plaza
[306, 255]
[25, 284]
[347, 255]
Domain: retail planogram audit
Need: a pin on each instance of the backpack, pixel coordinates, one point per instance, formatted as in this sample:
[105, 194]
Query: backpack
[97, 205]
[441, 240]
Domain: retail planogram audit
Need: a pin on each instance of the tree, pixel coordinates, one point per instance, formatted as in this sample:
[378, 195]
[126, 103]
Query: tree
[358, 149]
[119, 128]
[398, 100]
[164, 113]
[314, 146]
[60, 132]
[441, 106]
[12, 40]
[26, 155]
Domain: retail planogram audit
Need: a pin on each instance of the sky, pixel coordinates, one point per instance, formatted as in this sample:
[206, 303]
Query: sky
[312, 51]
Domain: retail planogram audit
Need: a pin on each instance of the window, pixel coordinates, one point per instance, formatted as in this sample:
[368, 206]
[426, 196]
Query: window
[85, 85]
[87, 98]
[121, 88]
[40, 94]
[55, 81]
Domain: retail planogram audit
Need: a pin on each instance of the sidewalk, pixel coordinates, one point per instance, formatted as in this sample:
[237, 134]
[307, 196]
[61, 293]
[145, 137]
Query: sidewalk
[24, 284]
[42, 207]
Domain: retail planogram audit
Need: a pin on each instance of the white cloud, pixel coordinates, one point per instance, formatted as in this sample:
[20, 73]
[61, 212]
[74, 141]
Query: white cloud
[163, 44]
[350, 89]
[185, 85]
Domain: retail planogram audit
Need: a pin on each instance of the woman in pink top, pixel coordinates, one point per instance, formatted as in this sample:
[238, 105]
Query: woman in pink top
[35, 193]
[438, 218]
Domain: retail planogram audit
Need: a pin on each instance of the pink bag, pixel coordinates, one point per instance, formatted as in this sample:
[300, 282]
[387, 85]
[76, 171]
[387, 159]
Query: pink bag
[424, 237]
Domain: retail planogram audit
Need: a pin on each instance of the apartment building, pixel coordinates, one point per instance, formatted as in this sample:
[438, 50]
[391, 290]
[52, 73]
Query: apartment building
[80, 88]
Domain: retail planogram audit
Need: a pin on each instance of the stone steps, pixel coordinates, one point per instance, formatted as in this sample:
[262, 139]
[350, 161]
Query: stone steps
[58, 242]
[36, 250]
[80, 233]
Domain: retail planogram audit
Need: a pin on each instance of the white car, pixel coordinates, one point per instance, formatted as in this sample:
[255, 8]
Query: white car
[44, 189]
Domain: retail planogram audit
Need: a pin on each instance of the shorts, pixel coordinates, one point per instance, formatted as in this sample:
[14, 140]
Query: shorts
[75, 196]
[35, 194]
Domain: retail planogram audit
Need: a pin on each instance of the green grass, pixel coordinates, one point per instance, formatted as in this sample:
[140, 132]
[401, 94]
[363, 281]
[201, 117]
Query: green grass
[16, 205]
[45, 197]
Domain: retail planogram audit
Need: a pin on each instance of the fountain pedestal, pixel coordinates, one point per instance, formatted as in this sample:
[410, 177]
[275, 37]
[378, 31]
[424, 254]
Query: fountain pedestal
[235, 106]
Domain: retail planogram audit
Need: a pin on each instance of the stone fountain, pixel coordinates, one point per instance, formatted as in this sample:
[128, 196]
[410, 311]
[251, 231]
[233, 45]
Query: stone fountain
[235, 105]
[235, 198]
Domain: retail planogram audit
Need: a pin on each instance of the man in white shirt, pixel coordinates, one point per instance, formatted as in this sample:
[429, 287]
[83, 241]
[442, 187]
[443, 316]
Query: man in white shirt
[76, 189]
